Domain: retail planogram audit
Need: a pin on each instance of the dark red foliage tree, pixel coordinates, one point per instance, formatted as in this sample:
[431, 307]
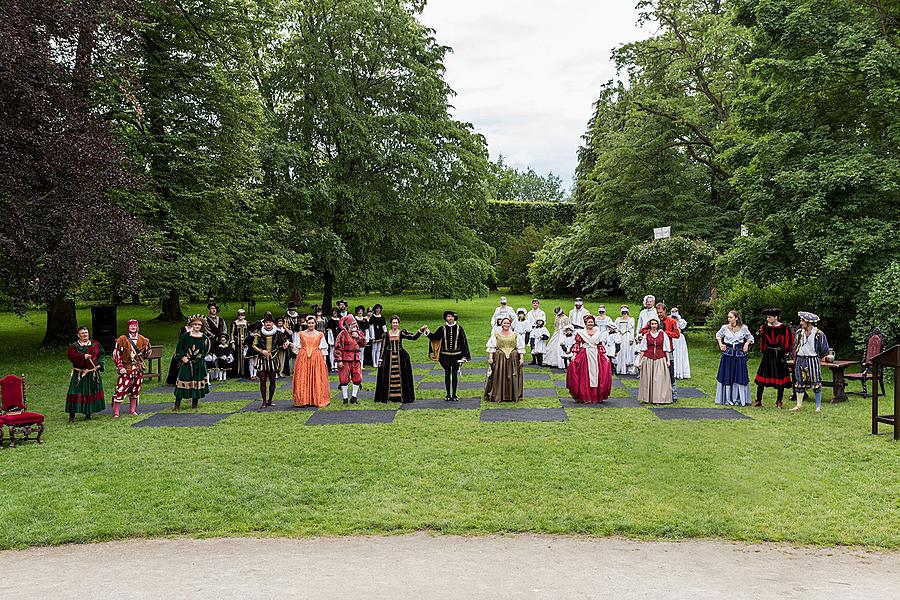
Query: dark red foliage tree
[59, 163]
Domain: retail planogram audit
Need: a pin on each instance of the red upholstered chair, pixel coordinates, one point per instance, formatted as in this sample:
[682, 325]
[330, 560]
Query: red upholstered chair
[14, 414]
[873, 345]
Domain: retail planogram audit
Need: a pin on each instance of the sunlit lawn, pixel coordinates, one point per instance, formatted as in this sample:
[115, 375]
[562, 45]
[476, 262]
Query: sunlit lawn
[798, 477]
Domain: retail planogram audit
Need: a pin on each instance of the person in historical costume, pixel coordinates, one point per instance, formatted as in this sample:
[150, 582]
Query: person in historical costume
[653, 362]
[224, 359]
[333, 329]
[284, 354]
[240, 330]
[129, 353]
[776, 342]
[269, 345]
[533, 315]
[810, 346]
[506, 361]
[348, 354]
[566, 347]
[252, 329]
[522, 326]
[362, 323]
[310, 383]
[85, 393]
[647, 313]
[672, 331]
[193, 377]
[214, 325]
[504, 310]
[541, 340]
[395, 377]
[450, 349]
[589, 376]
[578, 313]
[607, 332]
[627, 347]
[342, 310]
[172, 377]
[733, 382]
[377, 328]
[293, 320]
[560, 323]
[681, 365]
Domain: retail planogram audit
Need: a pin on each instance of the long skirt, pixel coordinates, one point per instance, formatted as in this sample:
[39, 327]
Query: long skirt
[807, 373]
[310, 380]
[192, 382]
[656, 383]
[553, 355]
[395, 378]
[85, 394]
[732, 381]
[773, 369]
[578, 379]
[506, 380]
[625, 358]
[680, 358]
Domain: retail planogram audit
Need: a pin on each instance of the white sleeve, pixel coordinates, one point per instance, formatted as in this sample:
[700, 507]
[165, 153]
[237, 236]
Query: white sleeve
[492, 344]
[642, 347]
[323, 346]
[520, 344]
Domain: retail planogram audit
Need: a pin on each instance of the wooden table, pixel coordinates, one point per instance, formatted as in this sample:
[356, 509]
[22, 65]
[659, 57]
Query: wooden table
[837, 375]
[888, 359]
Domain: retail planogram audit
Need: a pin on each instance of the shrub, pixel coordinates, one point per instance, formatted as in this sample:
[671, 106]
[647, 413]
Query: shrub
[677, 270]
[750, 300]
[878, 306]
[514, 258]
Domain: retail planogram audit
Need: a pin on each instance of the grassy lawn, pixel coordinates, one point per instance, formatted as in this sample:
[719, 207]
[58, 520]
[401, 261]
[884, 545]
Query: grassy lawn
[799, 477]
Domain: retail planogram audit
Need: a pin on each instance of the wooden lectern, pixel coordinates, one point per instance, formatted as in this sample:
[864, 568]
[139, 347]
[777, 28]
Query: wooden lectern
[888, 358]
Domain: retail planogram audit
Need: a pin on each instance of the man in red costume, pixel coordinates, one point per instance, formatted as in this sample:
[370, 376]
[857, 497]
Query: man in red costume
[347, 355]
[129, 354]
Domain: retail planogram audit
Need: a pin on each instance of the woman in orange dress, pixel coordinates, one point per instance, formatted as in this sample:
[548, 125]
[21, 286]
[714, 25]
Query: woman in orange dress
[310, 380]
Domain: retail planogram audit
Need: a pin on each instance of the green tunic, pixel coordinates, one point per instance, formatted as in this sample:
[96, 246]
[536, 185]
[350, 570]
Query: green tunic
[85, 393]
[191, 382]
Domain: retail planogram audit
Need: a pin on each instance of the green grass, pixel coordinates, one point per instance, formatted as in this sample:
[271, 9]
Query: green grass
[798, 477]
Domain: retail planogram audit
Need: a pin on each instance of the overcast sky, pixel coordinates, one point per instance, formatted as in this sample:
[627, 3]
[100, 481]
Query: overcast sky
[526, 72]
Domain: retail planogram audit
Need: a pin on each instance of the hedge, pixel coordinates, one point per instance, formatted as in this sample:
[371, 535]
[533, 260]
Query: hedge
[508, 217]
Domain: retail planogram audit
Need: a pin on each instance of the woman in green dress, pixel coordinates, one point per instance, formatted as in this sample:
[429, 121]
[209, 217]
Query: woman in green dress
[85, 393]
[192, 381]
[506, 359]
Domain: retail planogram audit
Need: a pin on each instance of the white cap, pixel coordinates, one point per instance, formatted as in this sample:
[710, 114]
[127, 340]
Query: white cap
[502, 299]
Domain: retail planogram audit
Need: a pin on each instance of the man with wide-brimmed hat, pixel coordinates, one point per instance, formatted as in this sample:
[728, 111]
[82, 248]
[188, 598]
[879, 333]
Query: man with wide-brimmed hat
[268, 345]
[451, 349]
[776, 342]
[810, 346]
[214, 325]
[129, 353]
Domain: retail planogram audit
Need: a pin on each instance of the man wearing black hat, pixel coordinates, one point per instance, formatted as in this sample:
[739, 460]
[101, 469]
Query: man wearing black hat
[451, 352]
[268, 346]
[776, 341]
[213, 325]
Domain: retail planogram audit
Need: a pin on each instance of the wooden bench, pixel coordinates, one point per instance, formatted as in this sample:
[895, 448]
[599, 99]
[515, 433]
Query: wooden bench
[838, 380]
[156, 353]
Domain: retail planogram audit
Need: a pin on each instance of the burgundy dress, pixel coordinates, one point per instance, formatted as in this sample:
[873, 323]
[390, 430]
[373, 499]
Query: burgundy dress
[589, 376]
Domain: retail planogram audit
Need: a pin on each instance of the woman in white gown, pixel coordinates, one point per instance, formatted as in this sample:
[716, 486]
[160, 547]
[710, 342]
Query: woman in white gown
[680, 349]
[552, 357]
[627, 350]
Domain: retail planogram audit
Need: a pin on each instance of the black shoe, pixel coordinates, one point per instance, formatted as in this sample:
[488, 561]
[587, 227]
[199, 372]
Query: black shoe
[454, 399]
[345, 401]
[448, 399]
[353, 400]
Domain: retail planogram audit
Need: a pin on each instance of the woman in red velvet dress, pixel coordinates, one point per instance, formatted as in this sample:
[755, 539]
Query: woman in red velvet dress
[589, 376]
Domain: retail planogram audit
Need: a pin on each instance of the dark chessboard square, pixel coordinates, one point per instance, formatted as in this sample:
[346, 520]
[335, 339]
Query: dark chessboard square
[541, 392]
[463, 371]
[182, 419]
[698, 414]
[351, 417]
[141, 408]
[541, 376]
[441, 404]
[689, 392]
[569, 402]
[428, 365]
[228, 396]
[161, 389]
[497, 415]
[462, 385]
[278, 406]
[478, 359]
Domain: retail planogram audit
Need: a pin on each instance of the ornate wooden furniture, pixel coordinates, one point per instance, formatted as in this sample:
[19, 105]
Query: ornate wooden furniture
[156, 353]
[874, 344]
[888, 358]
[14, 414]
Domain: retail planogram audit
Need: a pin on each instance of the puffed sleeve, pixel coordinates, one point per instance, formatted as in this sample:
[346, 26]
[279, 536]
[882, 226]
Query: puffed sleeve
[642, 346]
[492, 344]
[323, 345]
[520, 344]
[667, 343]
[721, 333]
[748, 337]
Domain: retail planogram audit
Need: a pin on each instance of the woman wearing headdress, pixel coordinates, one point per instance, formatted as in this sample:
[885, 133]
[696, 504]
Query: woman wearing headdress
[85, 394]
[172, 376]
[552, 357]
[192, 382]
[589, 376]
[377, 328]
[776, 341]
[395, 377]
[506, 360]
[653, 362]
[733, 383]
[310, 380]
[627, 351]
[333, 328]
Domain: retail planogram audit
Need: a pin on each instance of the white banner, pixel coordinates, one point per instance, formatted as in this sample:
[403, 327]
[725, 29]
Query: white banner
[661, 233]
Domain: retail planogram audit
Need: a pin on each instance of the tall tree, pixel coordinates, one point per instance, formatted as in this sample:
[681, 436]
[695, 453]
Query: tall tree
[509, 183]
[380, 181]
[60, 162]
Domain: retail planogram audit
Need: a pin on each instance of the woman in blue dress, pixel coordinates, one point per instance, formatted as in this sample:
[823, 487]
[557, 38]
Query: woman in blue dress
[733, 382]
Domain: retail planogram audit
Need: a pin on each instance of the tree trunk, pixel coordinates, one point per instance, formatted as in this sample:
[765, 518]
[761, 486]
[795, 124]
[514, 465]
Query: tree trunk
[171, 308]
[61, 322]
[295, 295]
[328, 292]
[135, 298]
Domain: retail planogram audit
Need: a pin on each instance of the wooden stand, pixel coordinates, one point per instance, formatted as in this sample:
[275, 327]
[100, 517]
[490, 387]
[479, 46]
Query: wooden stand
[888, 358]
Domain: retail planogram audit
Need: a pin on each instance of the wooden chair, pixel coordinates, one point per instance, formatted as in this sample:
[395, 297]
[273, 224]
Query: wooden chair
[872, 348]
[156, 353]
[14, 414]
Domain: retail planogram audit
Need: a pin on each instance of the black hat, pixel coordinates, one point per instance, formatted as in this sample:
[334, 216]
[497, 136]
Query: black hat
[268, 317]
[448, 313]
[774, 312]
[211, 304]
[341, 301]
[292, 304]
